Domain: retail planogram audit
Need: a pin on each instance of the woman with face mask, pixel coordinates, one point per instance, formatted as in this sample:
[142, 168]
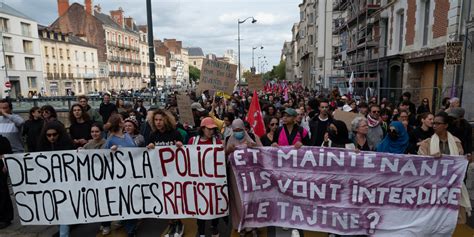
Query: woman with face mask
[396, 140]
[238, 139]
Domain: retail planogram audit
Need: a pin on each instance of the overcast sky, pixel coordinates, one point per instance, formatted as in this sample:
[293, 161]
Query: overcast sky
[209, 24]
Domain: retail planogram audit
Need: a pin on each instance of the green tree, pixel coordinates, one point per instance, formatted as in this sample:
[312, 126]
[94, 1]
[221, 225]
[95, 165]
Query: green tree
[280, 70]
[194, 74]
[247, 75]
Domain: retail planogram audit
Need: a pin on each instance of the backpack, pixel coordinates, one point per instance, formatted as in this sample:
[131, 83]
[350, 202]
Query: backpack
[196, 140]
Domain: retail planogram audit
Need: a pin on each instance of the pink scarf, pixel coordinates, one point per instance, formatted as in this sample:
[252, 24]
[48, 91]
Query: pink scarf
[372, 122]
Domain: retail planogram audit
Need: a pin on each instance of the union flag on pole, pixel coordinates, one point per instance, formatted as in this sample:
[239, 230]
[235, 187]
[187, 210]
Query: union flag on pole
[255, 117]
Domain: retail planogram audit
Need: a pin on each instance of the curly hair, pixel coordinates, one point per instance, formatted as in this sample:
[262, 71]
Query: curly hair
[168, 118]
[84, 114]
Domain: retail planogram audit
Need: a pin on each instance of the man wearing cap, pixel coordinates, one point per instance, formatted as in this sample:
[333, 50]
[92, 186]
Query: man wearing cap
[461, 129]
[198, 110]
[291, 134]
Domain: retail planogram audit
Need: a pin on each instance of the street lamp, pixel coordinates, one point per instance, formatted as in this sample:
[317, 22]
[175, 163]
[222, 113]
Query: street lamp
[253, 61]
[238, 39]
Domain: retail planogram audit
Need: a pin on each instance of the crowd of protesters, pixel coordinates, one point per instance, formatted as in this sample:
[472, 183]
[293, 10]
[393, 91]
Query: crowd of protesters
[292, 117]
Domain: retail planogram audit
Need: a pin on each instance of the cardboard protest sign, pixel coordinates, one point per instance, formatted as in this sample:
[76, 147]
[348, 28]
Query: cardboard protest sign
[72, 187]
[185, 111]
[345, 117]
[255, 82]
[343, 192]
[217, 76]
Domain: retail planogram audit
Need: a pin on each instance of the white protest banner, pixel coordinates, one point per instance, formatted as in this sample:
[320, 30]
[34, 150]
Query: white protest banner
[217, 76]
[70, 187]
[185, 111]
[345, 192]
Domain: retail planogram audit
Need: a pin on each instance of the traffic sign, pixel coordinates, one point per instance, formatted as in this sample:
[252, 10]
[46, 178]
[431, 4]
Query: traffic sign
[8, 84]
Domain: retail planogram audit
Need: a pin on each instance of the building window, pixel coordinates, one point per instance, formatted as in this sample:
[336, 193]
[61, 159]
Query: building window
[48, 69]
[10, 62]
[85, 56]
[27, 46]
[62, 69]
[46, 51]
[29, 63]
[55, 68]
[85, 69]
[61, 53]
[92, 57]
[3, 24]
[31, 82]
[401, 20]
[7, 41]
[69, 70]
[25, 29]
[67, 54]
[77, 55]
[426, 17]
[53, 52]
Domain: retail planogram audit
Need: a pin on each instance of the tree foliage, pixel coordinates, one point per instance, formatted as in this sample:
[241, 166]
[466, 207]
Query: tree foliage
[194, 73]
[278, 72]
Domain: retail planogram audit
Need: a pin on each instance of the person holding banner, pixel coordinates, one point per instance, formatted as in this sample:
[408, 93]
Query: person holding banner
[164, 133]
[443, 142]
[291, 134]
[396, 141]
[360, 128]
[97, 141]
[6, 206]
[54, 137]
[338, 136]
[239, 139]
[207, 135]
[117, 138]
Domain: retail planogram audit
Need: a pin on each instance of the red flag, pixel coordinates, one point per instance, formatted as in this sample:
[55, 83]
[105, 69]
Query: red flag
[255, 117]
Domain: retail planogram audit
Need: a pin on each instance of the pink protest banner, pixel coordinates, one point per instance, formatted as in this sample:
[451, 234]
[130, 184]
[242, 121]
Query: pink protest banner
[343, 192]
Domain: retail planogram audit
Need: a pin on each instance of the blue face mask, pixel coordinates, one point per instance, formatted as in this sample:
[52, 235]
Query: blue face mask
[239, 135]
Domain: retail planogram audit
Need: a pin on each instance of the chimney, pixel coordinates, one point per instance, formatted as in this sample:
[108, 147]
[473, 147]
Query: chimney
[88, 6]
[117, 16]
[98, 8]
[63, 5]
[129, 22]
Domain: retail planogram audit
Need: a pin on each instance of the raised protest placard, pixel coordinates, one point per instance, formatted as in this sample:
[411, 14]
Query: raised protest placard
[345, 117]
[217, 76]
[255, 82]
[70, 187]
[343, 192]
[185, 111]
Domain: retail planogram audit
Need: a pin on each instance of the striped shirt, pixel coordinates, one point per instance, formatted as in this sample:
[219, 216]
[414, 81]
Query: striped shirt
[10, 127]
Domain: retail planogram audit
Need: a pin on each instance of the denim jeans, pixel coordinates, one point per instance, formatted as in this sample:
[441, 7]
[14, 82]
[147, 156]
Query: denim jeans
[64, 231]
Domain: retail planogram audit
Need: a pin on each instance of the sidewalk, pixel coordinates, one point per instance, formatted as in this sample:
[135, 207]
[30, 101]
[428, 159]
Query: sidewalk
[18, 230]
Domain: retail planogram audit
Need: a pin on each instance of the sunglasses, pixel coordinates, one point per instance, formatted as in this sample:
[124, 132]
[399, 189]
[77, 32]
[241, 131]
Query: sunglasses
[51, 134]
[376, 112]
[273, 124]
